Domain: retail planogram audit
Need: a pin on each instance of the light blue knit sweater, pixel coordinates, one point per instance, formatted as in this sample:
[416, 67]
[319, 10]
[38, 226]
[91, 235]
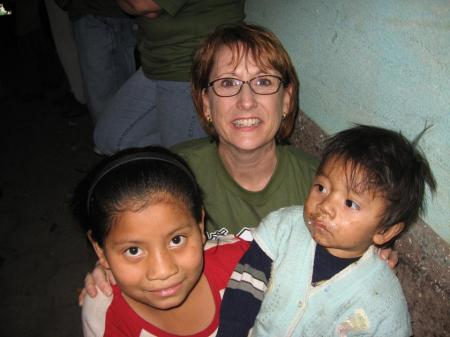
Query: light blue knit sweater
[364, 299]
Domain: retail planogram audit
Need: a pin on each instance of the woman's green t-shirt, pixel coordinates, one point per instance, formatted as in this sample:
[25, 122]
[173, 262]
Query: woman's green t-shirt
[229, 207]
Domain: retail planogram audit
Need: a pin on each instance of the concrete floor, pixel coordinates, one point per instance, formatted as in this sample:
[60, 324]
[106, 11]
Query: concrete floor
[43, 253]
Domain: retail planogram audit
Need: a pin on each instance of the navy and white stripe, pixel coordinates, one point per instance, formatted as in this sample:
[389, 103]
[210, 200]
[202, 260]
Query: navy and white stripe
[244, 293]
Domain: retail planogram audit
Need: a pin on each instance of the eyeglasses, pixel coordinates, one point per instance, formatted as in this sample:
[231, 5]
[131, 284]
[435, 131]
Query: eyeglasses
[261, 85]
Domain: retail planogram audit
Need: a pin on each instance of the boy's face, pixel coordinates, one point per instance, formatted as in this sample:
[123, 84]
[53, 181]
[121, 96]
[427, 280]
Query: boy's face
[343, 220]
[155, 255]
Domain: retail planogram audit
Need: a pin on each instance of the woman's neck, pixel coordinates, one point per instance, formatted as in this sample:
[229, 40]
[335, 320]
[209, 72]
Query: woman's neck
[252, 170]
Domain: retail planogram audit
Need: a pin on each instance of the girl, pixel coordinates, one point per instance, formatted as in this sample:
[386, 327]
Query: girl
[142, 212]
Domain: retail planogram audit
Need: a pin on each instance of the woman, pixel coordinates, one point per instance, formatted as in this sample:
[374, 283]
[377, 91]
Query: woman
[245, 90]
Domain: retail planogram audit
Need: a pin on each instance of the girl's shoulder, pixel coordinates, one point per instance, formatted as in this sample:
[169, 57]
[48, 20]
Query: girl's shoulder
[221, 256]
[226, 249]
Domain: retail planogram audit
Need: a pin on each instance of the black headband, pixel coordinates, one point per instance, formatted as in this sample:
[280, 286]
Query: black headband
[131, 158]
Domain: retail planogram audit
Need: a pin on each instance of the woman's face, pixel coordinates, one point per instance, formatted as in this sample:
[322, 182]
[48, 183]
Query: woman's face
[246, 121]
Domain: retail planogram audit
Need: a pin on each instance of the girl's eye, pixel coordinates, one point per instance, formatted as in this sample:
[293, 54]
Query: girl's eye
[351, 204]
[177, 241]
[133, 251]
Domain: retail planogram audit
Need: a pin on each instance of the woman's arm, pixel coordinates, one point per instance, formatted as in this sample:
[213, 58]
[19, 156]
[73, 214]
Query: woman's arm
[98, 279]
[390, 256]
[93, 315]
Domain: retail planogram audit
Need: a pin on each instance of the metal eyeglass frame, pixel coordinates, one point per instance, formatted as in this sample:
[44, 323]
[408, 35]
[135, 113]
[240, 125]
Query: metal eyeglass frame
[249, 82]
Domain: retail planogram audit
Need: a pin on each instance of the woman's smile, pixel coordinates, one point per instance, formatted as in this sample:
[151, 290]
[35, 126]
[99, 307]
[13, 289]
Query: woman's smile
[246, 122]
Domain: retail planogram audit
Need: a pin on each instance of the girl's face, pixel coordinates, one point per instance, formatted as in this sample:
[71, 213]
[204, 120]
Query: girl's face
[343, 220]
[246, 121]
[155, 254]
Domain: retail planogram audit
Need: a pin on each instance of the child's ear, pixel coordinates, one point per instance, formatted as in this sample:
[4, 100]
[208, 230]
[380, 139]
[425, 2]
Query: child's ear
[201, 226]
[387, 234]
[99, 251]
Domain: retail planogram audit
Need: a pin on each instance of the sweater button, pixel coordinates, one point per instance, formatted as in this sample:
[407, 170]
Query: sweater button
[300, 304]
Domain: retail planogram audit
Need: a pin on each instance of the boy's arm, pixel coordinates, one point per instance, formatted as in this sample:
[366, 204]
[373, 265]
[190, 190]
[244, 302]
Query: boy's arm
[244, 294]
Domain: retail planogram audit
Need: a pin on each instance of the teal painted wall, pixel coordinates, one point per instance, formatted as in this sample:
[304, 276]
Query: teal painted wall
[380, 62]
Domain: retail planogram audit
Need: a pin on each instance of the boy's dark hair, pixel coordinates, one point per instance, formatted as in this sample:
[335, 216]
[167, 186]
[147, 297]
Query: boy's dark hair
[391, 165]
[131, 180]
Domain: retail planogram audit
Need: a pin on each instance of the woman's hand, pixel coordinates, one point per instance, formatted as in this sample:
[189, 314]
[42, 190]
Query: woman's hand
[390, 256]
[98, 278]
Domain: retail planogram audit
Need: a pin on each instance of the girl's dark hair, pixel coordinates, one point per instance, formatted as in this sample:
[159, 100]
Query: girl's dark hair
[131, 180]
[391, 165]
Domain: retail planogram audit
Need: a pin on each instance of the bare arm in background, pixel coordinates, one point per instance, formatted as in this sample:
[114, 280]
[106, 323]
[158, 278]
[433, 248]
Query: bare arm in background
[148, 8]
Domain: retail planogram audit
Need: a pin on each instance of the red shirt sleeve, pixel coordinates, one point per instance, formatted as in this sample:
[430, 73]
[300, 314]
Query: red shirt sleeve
[221, 259]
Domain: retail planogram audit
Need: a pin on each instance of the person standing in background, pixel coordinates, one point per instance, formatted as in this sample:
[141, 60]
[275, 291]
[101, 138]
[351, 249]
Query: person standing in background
[105, 40]
[155, 105]
[66, 48]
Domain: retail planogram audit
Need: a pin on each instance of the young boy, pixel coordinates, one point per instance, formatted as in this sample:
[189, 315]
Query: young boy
[319, 275]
